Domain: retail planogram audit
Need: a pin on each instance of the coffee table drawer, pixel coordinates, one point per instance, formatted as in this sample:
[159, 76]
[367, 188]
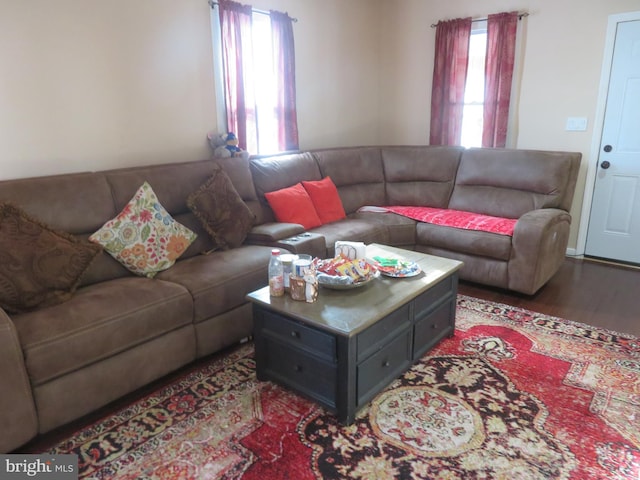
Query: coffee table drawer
[299, 336]
[432, 328]
[310, 376]
[376, 372]
[432, 297]
[377, 335]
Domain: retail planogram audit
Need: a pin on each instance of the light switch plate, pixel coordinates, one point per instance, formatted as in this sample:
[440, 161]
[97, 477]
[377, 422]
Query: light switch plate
[576, 124]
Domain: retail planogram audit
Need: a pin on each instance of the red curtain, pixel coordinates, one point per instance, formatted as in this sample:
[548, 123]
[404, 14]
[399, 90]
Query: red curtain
[285, 70]
[235, 24]
[501, 41]
[449, 77]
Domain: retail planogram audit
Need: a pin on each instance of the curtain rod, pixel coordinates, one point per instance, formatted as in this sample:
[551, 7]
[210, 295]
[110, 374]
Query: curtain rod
[212, 4]
[520, 17]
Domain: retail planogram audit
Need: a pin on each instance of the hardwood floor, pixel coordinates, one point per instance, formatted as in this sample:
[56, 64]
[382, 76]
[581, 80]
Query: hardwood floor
[587, 291]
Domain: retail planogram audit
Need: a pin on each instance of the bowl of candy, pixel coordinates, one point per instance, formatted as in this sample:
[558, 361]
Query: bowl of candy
[342, 273]
[396, 267]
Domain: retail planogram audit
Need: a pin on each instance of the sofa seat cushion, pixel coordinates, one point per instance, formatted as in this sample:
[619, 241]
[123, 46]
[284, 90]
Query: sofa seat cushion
[401, 230]
[354, 230]
[473, 242]
[100, 321]
[219, 281]
[457, 219]
[482, 270]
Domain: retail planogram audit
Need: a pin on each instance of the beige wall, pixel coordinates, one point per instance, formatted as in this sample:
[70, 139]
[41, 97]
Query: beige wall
[90, 85]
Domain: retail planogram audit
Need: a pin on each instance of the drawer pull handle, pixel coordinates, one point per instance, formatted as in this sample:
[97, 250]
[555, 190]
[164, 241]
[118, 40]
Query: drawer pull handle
[297, 368]
[295, 334]
[434, 326]
[386, 363]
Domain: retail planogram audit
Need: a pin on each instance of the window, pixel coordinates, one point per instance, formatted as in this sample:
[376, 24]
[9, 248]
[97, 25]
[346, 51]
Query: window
[472, 77]
[265, 101]
[472, 113]
[255, 67]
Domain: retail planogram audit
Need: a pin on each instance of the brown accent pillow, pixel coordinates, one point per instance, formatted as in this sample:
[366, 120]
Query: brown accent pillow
[221, 210]
[38, 265]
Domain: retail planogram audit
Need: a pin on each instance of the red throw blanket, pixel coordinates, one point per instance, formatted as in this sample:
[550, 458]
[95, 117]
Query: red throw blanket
[454, 218]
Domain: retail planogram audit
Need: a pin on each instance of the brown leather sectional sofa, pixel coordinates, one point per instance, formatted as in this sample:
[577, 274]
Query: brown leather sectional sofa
[119, 331]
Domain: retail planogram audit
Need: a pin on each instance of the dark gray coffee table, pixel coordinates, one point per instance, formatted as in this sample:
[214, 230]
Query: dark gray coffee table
[350, 344]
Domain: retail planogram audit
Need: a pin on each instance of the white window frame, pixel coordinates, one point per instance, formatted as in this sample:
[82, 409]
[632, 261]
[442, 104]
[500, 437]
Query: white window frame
[218, 82]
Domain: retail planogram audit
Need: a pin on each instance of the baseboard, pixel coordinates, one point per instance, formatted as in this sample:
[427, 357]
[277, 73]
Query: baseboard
[572, 252]
[613, 263]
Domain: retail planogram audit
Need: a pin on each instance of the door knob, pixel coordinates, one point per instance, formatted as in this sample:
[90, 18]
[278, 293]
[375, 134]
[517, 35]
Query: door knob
[607, 148]
[605, 165]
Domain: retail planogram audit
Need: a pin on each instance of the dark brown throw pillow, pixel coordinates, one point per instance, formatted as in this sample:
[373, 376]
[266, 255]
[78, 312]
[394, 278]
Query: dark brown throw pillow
[221, 210]
[38, 265]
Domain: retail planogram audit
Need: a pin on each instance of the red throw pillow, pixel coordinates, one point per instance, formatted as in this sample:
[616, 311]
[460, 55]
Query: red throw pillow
[293, 205]
[326, 200]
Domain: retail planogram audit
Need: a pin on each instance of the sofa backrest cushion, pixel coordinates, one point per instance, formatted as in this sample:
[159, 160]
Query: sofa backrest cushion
[420, 176]
[509, 183]
[276, 172]
[357, 173]
[75, 203]
[80, 203]
[172, 184]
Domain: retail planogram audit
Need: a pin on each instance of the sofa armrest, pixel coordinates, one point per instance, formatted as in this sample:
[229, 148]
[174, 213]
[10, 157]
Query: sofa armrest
[539, 246]
[269, 233]
[290, 237]
[18, 418]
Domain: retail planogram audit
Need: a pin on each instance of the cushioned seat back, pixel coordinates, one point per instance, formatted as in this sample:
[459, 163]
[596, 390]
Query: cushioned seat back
[509, 183]
[280, 171]
[420, 175]
[357, 173]
[174, 182]
[77, 203]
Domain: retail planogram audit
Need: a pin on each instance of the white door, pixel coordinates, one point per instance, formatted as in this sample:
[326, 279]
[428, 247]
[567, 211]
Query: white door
[614, 222]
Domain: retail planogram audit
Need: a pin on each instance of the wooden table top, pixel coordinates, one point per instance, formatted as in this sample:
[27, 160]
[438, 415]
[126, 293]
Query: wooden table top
[348, 312]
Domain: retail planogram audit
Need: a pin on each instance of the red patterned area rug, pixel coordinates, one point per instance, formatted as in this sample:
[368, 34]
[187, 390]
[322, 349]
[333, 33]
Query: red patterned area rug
[514, 394]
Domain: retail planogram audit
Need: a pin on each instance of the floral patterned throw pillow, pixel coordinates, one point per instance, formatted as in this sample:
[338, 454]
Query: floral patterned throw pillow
[144, 237]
